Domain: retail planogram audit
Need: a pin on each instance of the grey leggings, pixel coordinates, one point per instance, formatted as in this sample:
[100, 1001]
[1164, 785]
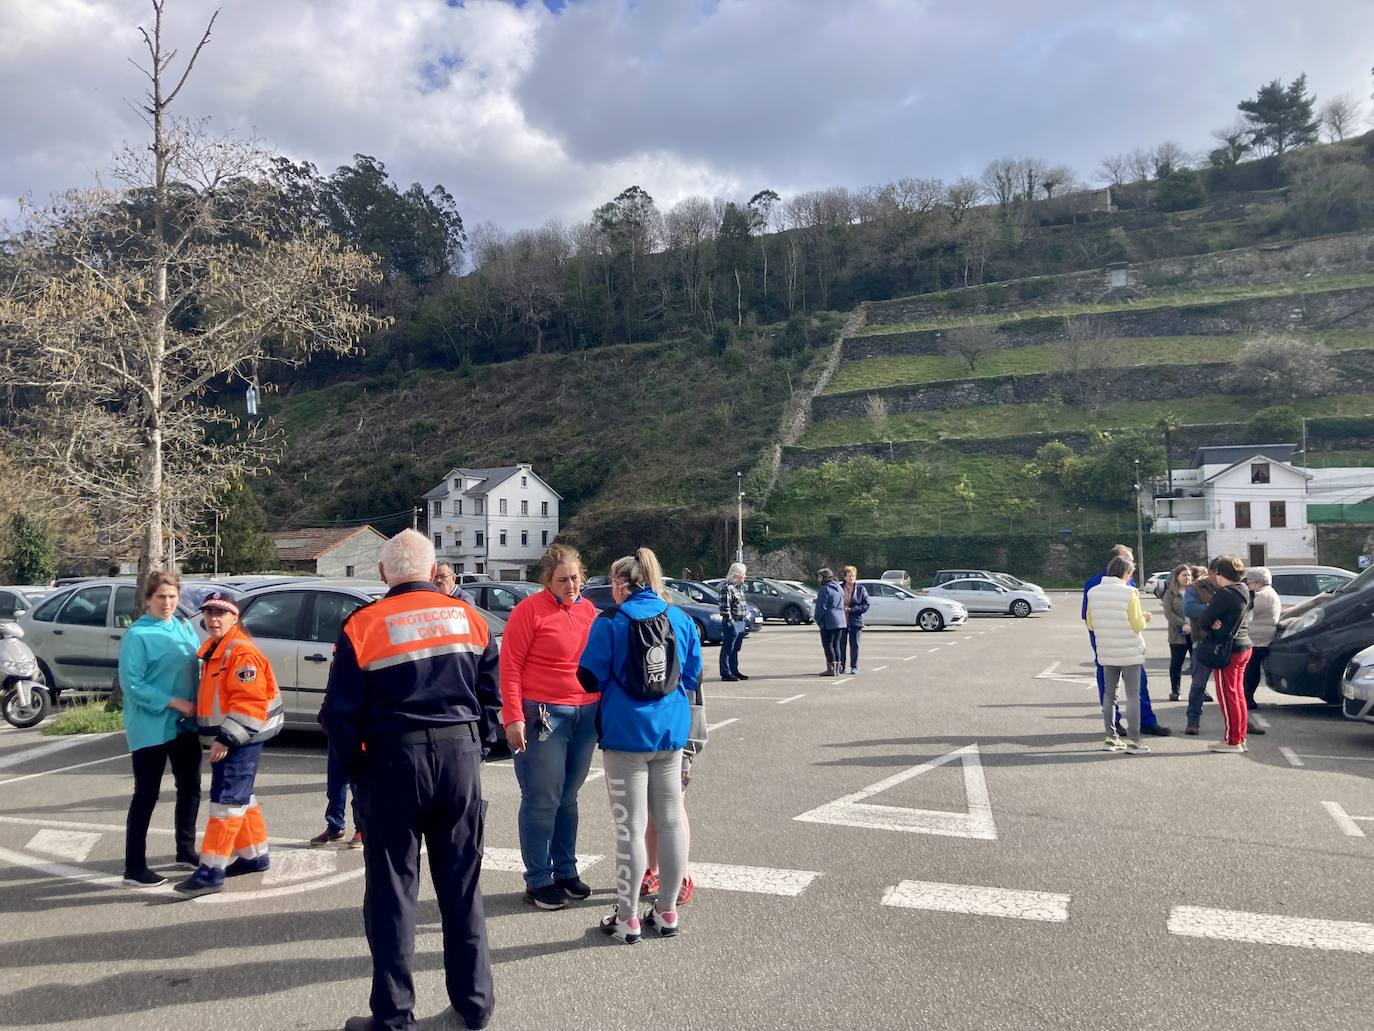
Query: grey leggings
[641, 784]
[1110, 676]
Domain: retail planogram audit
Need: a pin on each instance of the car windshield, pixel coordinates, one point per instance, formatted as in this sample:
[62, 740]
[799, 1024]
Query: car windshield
[1007, 580]
[1364, 580]
[677, 597]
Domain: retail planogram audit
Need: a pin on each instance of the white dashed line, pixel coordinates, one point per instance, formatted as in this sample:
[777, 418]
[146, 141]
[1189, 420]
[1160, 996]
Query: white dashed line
[1348, 826]
[935, 649]
[1291, 756]
[979, 901]
[909, 658]
[63, 769]
[39, 751]
[784, 701]
[723, 723]
[879, 669]
[1267, 929]
[761, 879]
[842, 680]
[1260, 722]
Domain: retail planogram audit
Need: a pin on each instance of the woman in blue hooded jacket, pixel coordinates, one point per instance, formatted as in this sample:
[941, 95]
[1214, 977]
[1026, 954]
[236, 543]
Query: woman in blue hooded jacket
[830, 618]
[642, 738]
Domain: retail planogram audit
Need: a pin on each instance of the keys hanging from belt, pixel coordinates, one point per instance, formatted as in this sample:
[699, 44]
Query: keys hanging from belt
[545, 731]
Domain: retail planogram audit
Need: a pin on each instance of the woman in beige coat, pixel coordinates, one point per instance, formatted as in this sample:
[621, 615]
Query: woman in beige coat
[1264, 620]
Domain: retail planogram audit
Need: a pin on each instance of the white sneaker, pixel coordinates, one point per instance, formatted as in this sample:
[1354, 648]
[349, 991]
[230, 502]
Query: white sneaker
[1222, 746]
[1113, 744]
[1136, 748]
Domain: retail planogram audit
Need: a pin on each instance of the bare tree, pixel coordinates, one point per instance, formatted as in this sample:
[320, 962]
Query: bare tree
[120, 310]
[1339, 116]
[1140, 164]
[1277, 368]
[1090, 361]
[972, 343]
[1114, 169]
[960, 196]
[1167, 158]
[1056, 179]
[1001, 180]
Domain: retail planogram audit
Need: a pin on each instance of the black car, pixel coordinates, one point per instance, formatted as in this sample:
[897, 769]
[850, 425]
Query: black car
[1317, 639]
[706, 617]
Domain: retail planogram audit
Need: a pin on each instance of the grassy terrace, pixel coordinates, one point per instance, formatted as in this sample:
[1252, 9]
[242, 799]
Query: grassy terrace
[1176, 299]
[1011, 420]
[892, 370]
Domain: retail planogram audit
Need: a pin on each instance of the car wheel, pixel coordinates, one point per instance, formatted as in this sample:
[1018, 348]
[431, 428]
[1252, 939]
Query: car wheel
[930, 620]
[1020, 608]
[794, 615]
[45, 675]
[702, 639]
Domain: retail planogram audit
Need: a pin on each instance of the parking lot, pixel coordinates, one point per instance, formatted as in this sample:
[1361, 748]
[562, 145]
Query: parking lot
[936, 843]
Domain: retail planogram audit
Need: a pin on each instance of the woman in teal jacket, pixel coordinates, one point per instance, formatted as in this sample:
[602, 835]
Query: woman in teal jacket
[158, 675]
[642, 739]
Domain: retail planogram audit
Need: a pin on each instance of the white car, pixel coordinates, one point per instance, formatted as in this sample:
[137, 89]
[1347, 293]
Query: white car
[1157, 582]
[900, 577]
[891, 605]
[1297, 584]
[1357, 687]
[15, 601]
[978, 595]
[798, 586]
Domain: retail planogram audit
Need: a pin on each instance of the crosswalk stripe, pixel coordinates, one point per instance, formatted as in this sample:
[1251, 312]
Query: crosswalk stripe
[763, 880]
[508, 860]
[978, 900]
[298, 864]
[1268, 929]
[73, 845]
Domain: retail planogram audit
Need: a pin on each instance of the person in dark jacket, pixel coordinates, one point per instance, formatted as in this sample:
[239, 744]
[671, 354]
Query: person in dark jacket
[830, 620]
[855, 605]
[1180, 632]
[734, 622]
[1195, 601]
[1224, 619]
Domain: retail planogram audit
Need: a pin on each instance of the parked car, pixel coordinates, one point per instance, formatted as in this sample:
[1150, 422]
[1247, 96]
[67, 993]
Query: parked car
[944, 576]
[900, 577]
[1357, 687]
[704, 595]
[75, 632]
[778, 601]
[1157, 583]
[501, 597]
[1316, 640]
[296, 626]
[706, 617]
[15, 601]
[249, 581]
[983, 595]
[1297, 584]
[799, 587]
[892, 605]
[473, 578]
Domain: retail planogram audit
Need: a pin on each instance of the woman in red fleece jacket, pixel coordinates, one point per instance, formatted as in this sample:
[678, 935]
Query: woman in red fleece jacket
[550, 723]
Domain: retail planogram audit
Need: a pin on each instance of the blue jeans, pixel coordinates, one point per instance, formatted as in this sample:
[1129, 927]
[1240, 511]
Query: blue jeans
[550, 774]
[336, 787]
[729, 648]
[1148, 718]
[849, 641]
[1197, 691]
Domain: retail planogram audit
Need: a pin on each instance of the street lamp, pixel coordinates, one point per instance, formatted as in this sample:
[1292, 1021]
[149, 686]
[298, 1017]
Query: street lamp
[739, 517]
[1139, 532]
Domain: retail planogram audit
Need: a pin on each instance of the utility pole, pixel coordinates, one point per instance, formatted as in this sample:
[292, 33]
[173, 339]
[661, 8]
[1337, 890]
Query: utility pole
[415, 517]
[216, 572]
[739, 517]
[1139, 530]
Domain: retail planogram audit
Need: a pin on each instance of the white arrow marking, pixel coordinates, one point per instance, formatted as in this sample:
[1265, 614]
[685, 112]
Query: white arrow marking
[1266, 929]
[977, 822]
[979, 901]
[73, 845]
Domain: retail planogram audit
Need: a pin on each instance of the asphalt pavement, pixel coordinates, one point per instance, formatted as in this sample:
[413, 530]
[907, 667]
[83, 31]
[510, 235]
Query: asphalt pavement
[938, 842]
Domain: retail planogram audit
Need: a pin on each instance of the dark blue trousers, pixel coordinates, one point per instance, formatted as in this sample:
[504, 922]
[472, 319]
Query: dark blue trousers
[431, 790]
[1147, 712]
[732, 636]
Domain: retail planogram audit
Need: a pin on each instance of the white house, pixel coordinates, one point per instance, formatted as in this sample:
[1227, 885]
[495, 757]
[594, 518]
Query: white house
[1252, 501]
[493, 521]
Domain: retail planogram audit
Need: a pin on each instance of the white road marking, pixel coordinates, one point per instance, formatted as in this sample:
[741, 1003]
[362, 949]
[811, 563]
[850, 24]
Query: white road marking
[1267, 929]
[1291, 756]
[935, 649]
[723, 723]
[1261, 722]
[761, 879]
[1048, 672]
[952, 643]
[299, 864]
[1309, 755]
[29, 821]
[231, 895]
[73, 845]
[740, 698]
[879, 669]
[909, 658]
[72, 873]
[979, 901]
[507, 860]
[977, 822]
[268, 753]
[784, 701]
[39, 751]
[63, 769]
[1348, 826]
[837, 683]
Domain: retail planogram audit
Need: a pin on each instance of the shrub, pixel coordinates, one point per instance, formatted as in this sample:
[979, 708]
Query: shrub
[1275, 368]
[1277, 424]
[1181, 190]
[1034, 289]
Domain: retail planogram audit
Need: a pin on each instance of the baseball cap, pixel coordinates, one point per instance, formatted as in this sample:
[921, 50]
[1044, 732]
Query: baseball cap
[220, 602]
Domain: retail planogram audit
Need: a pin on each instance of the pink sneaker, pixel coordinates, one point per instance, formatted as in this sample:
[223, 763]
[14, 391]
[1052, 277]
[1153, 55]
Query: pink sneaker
[664, 923]
[626, 931]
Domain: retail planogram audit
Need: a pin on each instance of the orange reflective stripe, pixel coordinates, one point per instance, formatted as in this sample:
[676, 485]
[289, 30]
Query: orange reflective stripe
[227, 688]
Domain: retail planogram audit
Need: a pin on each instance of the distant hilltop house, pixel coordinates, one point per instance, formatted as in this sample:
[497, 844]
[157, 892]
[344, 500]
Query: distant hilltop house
[334, 551]
[493, 521]
[1253, 501]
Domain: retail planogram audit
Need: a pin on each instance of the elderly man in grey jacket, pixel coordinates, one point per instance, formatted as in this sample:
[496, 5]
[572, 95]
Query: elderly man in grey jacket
[1264, 619]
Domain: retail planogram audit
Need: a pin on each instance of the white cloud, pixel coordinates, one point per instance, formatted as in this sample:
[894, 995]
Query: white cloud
[525, 114]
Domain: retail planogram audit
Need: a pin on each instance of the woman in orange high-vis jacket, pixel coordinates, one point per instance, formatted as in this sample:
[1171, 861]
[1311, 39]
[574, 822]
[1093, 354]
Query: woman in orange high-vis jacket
[239, 707]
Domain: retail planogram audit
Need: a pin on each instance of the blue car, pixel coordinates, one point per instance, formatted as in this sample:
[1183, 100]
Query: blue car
[704, 594]
[706, 617]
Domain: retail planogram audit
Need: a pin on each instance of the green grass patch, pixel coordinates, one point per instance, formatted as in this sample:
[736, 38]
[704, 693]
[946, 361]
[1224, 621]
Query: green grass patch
[90, 718]
[1129, 352]
[1057, 417]
[1181, 298]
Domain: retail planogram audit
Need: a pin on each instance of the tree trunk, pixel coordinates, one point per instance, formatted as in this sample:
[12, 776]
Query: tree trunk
[739, 299]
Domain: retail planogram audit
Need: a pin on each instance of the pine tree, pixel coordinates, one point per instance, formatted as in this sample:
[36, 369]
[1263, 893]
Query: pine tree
[243, 545]
[1281, 117]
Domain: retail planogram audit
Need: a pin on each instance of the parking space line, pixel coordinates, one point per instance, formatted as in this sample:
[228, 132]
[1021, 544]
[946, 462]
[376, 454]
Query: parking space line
[842, 680]
[1291, 756]
[1267, 929]
[723, 723]
[38, 751]
[1261, 722]
[879, 669]
[64, 769]
[794, 698]
[1344, 821]
[935, 649]
[977, 900]
[1305, 755]
[909, 658]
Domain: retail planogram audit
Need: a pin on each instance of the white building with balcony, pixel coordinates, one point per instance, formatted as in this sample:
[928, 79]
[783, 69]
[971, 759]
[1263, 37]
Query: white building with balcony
[1251, 500]
[492, 521]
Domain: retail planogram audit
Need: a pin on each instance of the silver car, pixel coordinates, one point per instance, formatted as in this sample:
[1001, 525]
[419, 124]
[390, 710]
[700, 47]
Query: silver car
[1296, 584]
[15, 601]
[979, 595]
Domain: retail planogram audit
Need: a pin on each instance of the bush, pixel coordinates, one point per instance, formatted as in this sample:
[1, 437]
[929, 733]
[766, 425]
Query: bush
[793, 339]
[1276, 368]
[1181, 191]
[91, 718]
[1275, 425]
[1034, 289]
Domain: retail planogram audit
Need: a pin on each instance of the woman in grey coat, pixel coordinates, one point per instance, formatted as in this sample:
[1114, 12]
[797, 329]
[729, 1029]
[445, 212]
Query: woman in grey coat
[830, 618]
[1180, 633]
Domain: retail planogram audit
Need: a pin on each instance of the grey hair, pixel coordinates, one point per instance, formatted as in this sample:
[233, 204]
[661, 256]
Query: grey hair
[736, 569]
[1260, 574]
[407, 557]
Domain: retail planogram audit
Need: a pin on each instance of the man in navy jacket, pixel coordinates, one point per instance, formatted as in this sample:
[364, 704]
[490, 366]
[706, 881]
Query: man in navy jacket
[1149, 722]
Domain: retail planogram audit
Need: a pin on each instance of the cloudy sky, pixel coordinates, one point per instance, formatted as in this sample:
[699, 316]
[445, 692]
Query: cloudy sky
[528, 111]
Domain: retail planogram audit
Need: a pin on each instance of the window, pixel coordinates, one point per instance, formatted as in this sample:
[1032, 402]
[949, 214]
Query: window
[545, 540]
[501, 506]
[438, 508]
[479, 567]
[478, 506]
[331, 610]
[348, 572]
[438, 541]
[524, 481]
[275, 615]
[1278, 513]
[1257, 555]
[1242, 515]
[524, 508]
[524, 539]
[1329, 582]
[1259, 472]
[458, 538]
[458, 507]
[544, 509]
[126, 601]
[48, 609]
[500, 600]
[480, 537]
[1300, 585]
[87, 607]
[457, 483]
[8, 603]
[503, 538]
[460, 568]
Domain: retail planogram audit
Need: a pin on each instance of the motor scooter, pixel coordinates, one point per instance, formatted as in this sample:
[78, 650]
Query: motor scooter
[24, 697]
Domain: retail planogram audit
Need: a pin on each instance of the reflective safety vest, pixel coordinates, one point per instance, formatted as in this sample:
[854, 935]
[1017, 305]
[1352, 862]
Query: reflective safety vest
[239, 702]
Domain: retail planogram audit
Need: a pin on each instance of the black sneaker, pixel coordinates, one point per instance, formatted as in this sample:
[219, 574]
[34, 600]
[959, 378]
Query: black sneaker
[550, 896]
[146, 879]
[1158, 730]
[741, 676]
[241, 866]
[574, 887]
[1252, 729]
